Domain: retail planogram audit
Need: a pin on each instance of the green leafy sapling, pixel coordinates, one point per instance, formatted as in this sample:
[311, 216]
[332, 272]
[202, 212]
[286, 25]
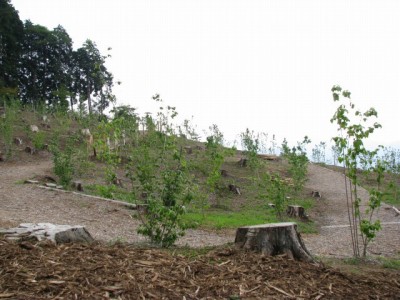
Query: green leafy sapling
[354, 128]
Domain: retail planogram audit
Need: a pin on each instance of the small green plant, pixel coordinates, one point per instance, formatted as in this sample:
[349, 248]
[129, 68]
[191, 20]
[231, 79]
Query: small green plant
[350, 143]
[159, 171]
[106, 191]
[251, 146]
[276, 193]
[318, 153]
[298, 162]
[38, 140]
[215, 154]
[7, 125]
[62, 160]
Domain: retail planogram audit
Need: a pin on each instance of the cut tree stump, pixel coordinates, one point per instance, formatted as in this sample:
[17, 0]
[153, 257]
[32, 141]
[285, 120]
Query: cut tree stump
[296, 211]
[273, 239]
[242, 162]
[316, 194]
[58, 234]
[234, 188]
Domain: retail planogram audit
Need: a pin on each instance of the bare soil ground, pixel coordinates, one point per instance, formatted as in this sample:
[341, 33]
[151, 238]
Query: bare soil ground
[100, 271]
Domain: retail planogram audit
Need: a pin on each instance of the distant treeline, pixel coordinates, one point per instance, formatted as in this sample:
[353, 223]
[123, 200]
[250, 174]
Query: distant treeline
[39, 67]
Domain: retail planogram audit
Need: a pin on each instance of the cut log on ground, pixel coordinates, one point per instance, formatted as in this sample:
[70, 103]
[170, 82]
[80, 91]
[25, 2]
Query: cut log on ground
[234, 188]
[296, 211]
[396, 211]
[58, 234]
[273, 239]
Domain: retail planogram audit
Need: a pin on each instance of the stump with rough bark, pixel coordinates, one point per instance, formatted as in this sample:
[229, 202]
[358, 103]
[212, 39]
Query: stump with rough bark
[273, 239]
[58, 234]
[296, 211]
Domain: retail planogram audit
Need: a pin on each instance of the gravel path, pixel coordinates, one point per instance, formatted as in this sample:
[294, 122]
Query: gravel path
[24, 203]
[331, 215]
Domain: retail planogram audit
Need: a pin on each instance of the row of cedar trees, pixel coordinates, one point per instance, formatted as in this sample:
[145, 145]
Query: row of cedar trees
[40, 67]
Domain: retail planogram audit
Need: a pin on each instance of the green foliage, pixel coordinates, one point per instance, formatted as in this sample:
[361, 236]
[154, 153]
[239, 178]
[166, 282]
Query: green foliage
[251, 146]
[276, 192]
[11, 35]
[318, 153]
[38, 140]
[159, 168]
[106, 191]
[62, 160]
[6, 125]
[350, 145]
[298, 161]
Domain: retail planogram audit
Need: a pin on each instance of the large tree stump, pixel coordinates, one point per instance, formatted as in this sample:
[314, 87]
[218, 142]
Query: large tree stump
[273, 239]
[296, 211]
[58, 234]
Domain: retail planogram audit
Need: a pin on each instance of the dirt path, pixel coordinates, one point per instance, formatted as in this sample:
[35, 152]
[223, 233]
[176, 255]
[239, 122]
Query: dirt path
[23, 203]
[331, 215]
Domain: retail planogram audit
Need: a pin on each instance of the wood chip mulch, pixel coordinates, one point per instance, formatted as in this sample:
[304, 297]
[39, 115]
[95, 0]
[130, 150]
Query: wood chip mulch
[98, 271]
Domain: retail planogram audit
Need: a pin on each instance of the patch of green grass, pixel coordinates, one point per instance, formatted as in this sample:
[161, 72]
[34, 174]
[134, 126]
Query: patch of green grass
[306, 227]
[110, 192]
[390, 263]
[221, 219]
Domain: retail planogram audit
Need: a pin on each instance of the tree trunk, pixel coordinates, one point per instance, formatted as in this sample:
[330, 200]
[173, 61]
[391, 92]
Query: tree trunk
[296, 211]
[273, 239]
[89, 100]
[58, 234]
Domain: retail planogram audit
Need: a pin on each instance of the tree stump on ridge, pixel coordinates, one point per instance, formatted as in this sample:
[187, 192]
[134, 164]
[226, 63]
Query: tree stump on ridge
[273, 239]
[296, 211]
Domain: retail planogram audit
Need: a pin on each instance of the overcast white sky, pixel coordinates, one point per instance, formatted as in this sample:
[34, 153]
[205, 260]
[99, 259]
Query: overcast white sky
[265, 65]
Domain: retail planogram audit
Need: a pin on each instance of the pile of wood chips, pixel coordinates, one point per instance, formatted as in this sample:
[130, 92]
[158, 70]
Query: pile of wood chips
[98, 271]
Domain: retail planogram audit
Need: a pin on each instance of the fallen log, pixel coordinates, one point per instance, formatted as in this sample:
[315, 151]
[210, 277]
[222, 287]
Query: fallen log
[58, 234]
[396, 211]
[273, 239]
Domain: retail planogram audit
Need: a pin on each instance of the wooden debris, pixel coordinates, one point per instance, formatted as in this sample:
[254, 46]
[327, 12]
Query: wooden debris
[234, 188]
[188, 149]
[2, 156]
[77, 185]
[118, 182]
[316, 194]
[269, 157]
[30, 150]
[120, 271]
[58, 234]
[17, 141]
[31, 181]
[242, 162]
[273, 239]
[397, 211]
[224, 173]
[34, 128]
[200, 148]
[296, 211]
